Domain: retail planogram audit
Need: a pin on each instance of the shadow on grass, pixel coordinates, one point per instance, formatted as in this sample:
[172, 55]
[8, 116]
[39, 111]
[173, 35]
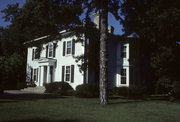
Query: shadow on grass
[27, 97]
[43, 120]
[125, 102]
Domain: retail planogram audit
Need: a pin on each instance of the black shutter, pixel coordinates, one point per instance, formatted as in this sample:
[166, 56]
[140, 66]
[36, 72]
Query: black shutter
[62, 73]
[33, 54]
[54, 49]
[64, 48]
[47, 51]
[37, 76]
[72, 73]
[31, 74]
[73, 47]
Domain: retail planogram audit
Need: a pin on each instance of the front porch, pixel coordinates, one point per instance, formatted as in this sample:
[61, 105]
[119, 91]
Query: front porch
[47, 68]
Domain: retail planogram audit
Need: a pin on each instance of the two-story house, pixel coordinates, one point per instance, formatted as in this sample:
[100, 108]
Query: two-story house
[55, 61]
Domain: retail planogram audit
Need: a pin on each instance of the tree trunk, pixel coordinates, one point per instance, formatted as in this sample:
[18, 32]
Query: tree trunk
[103, 56]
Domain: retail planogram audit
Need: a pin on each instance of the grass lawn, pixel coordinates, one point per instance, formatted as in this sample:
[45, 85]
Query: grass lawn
[72, 109]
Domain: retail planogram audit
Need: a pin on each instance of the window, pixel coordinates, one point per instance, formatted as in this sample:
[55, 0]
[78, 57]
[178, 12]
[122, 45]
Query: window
[123, 51]
[50, 50]
[69, 47]
[67, 73]
[35, 54]
[123, 76]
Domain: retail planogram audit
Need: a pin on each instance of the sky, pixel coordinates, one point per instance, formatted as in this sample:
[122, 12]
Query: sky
[4, 3]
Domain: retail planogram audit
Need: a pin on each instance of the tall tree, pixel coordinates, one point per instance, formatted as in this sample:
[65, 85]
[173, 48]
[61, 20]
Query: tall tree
[36, 18]
[156, 22]
[103, 7]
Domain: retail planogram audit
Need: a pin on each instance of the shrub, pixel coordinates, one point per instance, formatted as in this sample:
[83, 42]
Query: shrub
[163, 85]
[62, 88]
[121, 91]
[133, 92]
[87, 90]
[21, 85]
[175, 92]
[1, 91]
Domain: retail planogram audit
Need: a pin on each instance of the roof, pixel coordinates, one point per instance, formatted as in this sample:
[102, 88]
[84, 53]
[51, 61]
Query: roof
[63, 33]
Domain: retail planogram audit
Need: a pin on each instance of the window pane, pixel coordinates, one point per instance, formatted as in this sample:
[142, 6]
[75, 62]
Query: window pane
[67, 69]
[69, 47]
[123, 76]
[123, 80]
[123, 51]
[67, 73]
[50, 50]
[67, 77]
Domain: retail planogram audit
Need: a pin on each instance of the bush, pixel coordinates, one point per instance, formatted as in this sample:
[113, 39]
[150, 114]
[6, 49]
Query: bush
[133, 92]
[175, 92]
[62, 88]
[121, 91]
[21, 85]
[163, 85]
[87, 90]
[1, 91]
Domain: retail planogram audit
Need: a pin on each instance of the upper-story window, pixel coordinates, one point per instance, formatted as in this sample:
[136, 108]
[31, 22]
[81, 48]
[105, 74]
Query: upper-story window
[35, 54]
[69, 47]
[124, 51]
[51, 50]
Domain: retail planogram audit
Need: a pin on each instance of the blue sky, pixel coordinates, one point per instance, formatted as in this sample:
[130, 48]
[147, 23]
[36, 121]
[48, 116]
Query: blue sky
[4, 3]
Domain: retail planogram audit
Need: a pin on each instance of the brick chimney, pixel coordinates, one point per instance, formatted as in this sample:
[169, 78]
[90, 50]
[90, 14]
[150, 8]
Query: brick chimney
[97, 22]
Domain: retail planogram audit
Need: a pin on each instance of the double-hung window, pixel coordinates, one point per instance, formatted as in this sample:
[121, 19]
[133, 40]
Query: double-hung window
[69, 47]
[123, 76]
[124, 51]
[35, 54]
[50, 50]
[35, 75]
[67, 73]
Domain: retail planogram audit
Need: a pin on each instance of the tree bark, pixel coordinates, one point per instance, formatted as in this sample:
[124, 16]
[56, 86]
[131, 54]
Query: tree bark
[103, 56]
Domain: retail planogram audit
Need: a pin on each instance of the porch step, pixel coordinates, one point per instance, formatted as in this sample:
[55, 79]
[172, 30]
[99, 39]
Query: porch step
[37, 89]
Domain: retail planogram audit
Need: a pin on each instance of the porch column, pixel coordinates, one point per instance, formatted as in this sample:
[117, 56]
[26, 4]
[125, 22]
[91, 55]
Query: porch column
[48, 72]
[41, 76]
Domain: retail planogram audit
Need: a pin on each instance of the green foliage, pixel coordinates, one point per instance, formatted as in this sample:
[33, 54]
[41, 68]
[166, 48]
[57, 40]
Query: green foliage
[87, 90]
[175, 92]
[163, 85]
[61, 88]
[25, 25]
[11, 68]
[133, 92]
[21, 85]
[156, 22]
[136, 92]
[122, 91]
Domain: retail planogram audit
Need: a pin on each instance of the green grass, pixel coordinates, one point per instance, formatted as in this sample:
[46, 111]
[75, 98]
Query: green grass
[72, 109]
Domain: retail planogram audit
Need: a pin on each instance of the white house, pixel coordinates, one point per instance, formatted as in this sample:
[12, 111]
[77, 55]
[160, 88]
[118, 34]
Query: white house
[56, 61]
